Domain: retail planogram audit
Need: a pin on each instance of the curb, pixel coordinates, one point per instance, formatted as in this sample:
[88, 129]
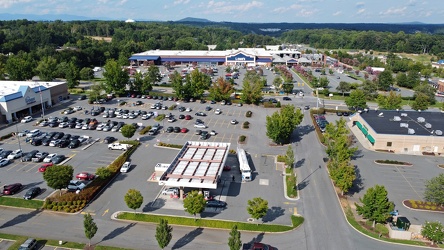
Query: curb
[393, 164]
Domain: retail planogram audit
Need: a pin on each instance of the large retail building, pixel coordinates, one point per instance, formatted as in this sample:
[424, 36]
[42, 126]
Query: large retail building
[22, 98]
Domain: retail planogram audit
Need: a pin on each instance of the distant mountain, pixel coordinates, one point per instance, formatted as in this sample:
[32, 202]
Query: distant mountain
[193, 19]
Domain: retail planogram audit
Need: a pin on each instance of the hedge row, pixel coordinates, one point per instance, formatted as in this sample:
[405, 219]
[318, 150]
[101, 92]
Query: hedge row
[145, 130]
[7, 136]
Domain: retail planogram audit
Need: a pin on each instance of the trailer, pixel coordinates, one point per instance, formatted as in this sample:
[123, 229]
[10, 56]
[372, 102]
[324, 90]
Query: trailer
[244, 167]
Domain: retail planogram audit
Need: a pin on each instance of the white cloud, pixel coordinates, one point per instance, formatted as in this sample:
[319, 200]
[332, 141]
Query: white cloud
[394, 11]
[337, 13]
[121, 2]
[8, 3]
[360, 11]
[307, 13]
[360, 5]
[181, 2]
[102, 1]
[226, 7]
[285, 9]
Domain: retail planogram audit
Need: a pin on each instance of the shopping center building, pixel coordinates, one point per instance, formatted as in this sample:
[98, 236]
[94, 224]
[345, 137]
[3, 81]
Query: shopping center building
[242, 56]
[22, 98]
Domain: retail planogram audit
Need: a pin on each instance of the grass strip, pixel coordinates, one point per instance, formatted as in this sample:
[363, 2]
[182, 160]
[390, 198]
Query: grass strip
[184, 221]
[20, 202]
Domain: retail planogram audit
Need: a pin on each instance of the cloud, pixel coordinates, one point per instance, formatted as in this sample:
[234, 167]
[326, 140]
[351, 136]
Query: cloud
[411, 3]
[394, 11]
[285, 9]
[225, 7]
[8, 3]
[360, 11]
[337, 13]
[360, 5]
[307, 13]
[181, 2]
[122, 2]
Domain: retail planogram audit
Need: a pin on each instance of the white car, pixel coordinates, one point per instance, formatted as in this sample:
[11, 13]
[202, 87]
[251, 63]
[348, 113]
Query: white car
[212, 132]
[85, 126]
[101, 126]
[63, 125]
[200, 125]
[188, 109]
[44, 124]
[234, 122]
[171, 190]
[49, 158]
[79, 125]
[76, 185]
[145, 117]
[218, 111]
[23, 133]
[15, 154]
[125, 167]
[171, 119]
[26, 119]
[77, 108]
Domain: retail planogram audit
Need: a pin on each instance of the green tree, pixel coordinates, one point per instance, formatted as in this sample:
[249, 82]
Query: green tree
[128, 130]
[385, 80]
[390, 102]
[163, 233]
[434, 190]
[72, 75]
[338, 145]
[277, 82]
[356, 99]
[421, 102]
[427, 90]
[103, 173]
[289, 157]
[95, 92]
[343, 176]
[252, 85]
[20, 67]
[198, 83]
[234, 241]
[375, 206]
[137, 83]
[288, 88]
[330, 71]
[90, 227]
[86, 73]
[46, 68]
[280, 125]
[153, 74]
[343, 87]
[177, 83]
[257, 208]
[221, 90]
[58, 177]
[433, 231]
[370, 89]
[133, 199]
[401, 79]
[194, 203]
[116, 78]
[413, 79]
[323, 82]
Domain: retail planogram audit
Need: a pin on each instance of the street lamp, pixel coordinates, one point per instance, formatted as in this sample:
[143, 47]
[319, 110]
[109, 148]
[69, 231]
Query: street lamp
[18, 139]
[41, 100]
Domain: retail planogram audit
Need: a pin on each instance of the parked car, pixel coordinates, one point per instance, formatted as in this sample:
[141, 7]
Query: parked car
[4, 162]
[85, 176]
[5, 153]
[26, 119]
[184, 130]
[45, 166]
[216, 203]
[218, 111]
[15, 154]
[75, 185]
[234, 121]
[200, 114]
[169, 129]
[11, 189]
[37, 142]
[176, 130]
[109, 139]
[170, 191]
[286, 98]
[29, 244]
[39, 156]
[212, 132]
[49, 158]
[32, 192]
[74, 144]
[63, 143]
[188, 117]
[204, 135]
[30, 155]
[125, 167]
[23, 133]
[58, 159]
[200, 125]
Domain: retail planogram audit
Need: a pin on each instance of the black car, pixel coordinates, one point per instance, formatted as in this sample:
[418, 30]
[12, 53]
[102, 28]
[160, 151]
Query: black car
[63, 143]
[286, 98]
[74, 143]
[72, 124]
[58, 159]
[213, 102]
[50, 135]
[109, 139]
[181, 116]
[199, 121]
[46, 141]
[169, 129]
[74, 137]
[176, 130]
[31, 193]
[58, 135]
[200, 114]
[66, 137]
[5, 153]
[216, 203]
[36, 142]
[82, 97]
[30, 155]
[204, 135]
[181, 109]
[53, 124]
[208, 108]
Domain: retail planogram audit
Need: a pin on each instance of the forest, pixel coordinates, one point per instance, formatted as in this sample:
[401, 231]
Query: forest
[30, 48]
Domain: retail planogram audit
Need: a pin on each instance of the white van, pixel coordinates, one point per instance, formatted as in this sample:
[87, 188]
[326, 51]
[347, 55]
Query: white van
[33, 133]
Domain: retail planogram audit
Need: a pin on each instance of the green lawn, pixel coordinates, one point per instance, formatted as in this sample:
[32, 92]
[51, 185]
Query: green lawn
[20, 202]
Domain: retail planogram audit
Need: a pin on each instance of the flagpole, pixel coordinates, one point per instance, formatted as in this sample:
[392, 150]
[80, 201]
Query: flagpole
[41, 101]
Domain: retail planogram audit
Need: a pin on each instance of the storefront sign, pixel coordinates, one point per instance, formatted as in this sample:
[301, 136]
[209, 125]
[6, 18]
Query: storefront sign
[240, 57]
[29, 100]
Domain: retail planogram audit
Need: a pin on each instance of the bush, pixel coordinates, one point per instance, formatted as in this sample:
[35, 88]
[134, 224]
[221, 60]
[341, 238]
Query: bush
[281, 158]
[145, 130]
[172, 107]
[160, 117]
[278, 104]
[162, 144]
[242, 138]
[122, 103]
[249, 113]
[393, 162]
[7, 136]
[246, 125]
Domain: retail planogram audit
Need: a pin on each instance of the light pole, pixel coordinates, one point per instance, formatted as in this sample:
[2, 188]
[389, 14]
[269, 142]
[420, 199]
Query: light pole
[18, 139]
[41, 101]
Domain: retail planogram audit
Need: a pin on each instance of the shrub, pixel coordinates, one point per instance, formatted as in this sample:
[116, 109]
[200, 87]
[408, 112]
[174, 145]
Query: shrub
[145, 130]
[122, 103]
[160, 117]
[281, 158]
[278, 104]
[54, 208]
[242, 138]
[172, 107]
[249, 113]
[232, 151]
[246, 125]
[381, 228]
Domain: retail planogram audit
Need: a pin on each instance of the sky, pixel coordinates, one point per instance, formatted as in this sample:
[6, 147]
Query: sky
[250, 11]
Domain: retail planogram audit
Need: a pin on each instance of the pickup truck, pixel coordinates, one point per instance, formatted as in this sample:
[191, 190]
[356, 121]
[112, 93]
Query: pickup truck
[257, 246]
[118, 146]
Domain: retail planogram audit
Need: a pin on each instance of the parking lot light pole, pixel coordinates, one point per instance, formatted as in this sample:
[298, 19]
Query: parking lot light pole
[18, 139]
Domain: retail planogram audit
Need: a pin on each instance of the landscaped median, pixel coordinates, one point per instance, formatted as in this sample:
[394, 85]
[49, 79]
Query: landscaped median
[20, 202]
[208, 223]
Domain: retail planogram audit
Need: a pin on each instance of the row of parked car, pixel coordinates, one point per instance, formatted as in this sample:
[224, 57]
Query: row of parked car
[321, 122]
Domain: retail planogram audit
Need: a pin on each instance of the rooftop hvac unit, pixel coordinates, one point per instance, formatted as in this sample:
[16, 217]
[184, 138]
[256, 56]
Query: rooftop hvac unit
[428, 125]
[397, 119]
[403, 114]
[420, 119]
[404, 125]
[438, 132]
[411, 131]
[381, 114]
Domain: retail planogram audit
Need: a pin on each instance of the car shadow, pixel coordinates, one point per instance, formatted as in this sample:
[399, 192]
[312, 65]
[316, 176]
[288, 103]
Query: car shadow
[358, 183]
[299, 163]
[20, 218]
[273, 213]
[154, 205]
[258, 238]
[187, 238]
[116, 232]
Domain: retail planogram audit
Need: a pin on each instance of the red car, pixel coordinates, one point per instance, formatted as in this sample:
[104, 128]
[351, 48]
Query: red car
[188, 117]
[184, 130]
[45, 166]
[85, 176]
[227, 168]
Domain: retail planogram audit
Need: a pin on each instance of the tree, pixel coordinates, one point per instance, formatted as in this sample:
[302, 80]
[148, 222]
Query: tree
[356, 99]
[90, 227]
[323, 82]
[234, 241]
[401, 79]
[370, 89]
[421, 102]
[72, 75]
[330, 71]
[427, 90]
[413, 79]
[375, 205]
[103, 173]
[277, 82]
[343, 87]
[280, 125]
[46, 68]
[434, 190]
[136, 84]
[288, 88]
[257, 208]
[289, 157]
[391, 102]
[153, 74]
[58, 177]
[133, 199]
[116, 78]
[163, 233]
[343, 176]
[95, 92]
[177, 83]
[86, 73]
[128, 130]
[198, 83]
[433, 231]
[221, 90]
[20, 67]
[194, 203]
[385, 80]
[252, 88]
